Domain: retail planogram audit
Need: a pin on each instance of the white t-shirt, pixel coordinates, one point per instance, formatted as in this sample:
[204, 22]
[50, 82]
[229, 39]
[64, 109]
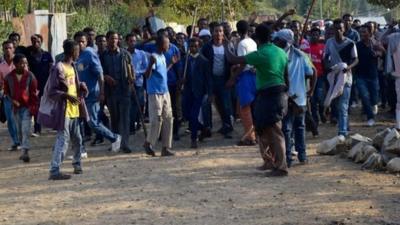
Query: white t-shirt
[219, 60]
[245, 47]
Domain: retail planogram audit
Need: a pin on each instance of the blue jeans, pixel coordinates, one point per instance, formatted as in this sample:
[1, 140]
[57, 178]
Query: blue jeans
[342, 106]
[294, 126]
[12, 129]
[223, 101]
[191, 111]
[135, 109]
[23, 122]
[96, 124]
[317, 100]
[71, 131]
[368, 90]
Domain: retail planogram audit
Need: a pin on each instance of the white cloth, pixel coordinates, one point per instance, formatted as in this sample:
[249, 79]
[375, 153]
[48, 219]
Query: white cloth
[245, 47]
[336, 80]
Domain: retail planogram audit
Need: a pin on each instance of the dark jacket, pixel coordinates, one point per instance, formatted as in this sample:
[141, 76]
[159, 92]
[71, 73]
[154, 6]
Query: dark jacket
[208, 52]
[199, 76]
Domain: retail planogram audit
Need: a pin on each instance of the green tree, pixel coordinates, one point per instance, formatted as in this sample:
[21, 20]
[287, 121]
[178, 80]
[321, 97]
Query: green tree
[386, 3]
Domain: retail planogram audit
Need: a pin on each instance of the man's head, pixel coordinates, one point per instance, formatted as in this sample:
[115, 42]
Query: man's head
[373, 26]
[71, 49]
[315, 34]
[194, 45]
[171, 33]
[162, 32]
[131, 41]
[162, 43]
[180, 39]
[348, 21]
[202, 23]
[227, 29]
[37, 41]
[20, 63]
[218, 33]
[295, 26]
[365, 32]
[82, 39]
[112, 40]
[15, 38]
[91, 34]
[339, 28]
[8, 49]
[101, 42]
[242, 27]
[263, 33]
[284, 38]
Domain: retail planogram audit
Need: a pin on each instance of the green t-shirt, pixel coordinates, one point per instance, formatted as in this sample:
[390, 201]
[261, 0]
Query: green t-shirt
[270, 62]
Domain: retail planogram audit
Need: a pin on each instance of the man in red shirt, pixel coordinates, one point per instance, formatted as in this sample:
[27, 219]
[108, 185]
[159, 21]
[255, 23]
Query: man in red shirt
[317, 54]
[21, 87]
[6, 67]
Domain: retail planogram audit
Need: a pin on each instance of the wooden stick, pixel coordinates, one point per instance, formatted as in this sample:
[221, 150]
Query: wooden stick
[188, 47]
[306, 22]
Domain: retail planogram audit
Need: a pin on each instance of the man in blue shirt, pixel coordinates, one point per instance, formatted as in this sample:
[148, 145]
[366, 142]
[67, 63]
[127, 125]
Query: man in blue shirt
[140, 64]
[90, 71]
[160, 112]
[299, 69]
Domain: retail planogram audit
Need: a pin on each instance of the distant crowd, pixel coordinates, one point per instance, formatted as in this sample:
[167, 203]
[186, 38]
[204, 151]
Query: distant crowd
[278, 78]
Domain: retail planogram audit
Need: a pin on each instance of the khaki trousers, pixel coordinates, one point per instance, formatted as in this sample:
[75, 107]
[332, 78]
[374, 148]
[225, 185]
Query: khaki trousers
[161, 119]
[272, 146]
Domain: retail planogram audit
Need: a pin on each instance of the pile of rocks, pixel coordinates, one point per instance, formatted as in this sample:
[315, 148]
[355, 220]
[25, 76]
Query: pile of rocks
[379, 153]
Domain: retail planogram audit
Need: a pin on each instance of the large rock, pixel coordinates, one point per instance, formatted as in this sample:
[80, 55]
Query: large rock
[374, 162]
[393, 148]
[365, 153]
[357, 138]
[354, 151]
[390, 138]
[393, 165]
[328, 147]
[377, 141]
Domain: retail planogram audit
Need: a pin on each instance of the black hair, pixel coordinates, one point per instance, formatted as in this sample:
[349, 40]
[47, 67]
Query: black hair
[218, 25]
[161, 32]
[347, 15]
[38, 36]
[160, 40]
[111, 33]
[315, 29]
[14, 34]
[88, 29]
[100, 36]
[18, 57]
[129, 36]
[212, 25]
[80, 34]
[242, 27]
[194, 39]
[263, 33]
[69, 46]
[366, 27]
[338, 21]
[7, 42]
[201, 19]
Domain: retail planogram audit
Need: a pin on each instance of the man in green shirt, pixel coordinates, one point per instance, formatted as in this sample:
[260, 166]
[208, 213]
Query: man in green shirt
[271, 102]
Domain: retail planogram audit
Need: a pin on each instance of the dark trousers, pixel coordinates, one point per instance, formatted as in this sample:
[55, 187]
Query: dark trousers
[191, 110]
[119, 107]
[175, 96]
[294, 127]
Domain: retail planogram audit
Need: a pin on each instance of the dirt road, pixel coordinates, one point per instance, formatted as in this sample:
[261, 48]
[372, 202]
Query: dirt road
[216, 185]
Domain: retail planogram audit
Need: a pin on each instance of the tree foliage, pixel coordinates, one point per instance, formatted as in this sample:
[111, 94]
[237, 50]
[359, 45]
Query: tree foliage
[390, 4]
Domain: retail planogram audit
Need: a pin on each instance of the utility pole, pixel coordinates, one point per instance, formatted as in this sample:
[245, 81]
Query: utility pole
[52, 6]
[320, 9]
[222, 11]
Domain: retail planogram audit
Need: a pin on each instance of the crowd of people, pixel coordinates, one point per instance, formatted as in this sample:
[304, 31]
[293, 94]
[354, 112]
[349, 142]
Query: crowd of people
[277, 78]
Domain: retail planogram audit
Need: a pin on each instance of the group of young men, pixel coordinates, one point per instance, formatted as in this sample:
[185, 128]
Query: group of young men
[267, 75]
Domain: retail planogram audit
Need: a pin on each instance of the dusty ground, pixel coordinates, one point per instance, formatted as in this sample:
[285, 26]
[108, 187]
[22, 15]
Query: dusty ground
[217, 185]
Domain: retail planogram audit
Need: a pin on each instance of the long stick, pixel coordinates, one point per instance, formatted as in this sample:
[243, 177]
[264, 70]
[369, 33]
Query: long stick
[187, 50]
[141, 117]
[306, 22]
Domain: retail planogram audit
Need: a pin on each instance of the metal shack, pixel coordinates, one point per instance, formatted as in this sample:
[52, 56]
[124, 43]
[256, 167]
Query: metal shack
[52, 26]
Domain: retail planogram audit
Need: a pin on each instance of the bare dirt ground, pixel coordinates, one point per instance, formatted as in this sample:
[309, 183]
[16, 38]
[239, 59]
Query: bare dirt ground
[216, 185]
